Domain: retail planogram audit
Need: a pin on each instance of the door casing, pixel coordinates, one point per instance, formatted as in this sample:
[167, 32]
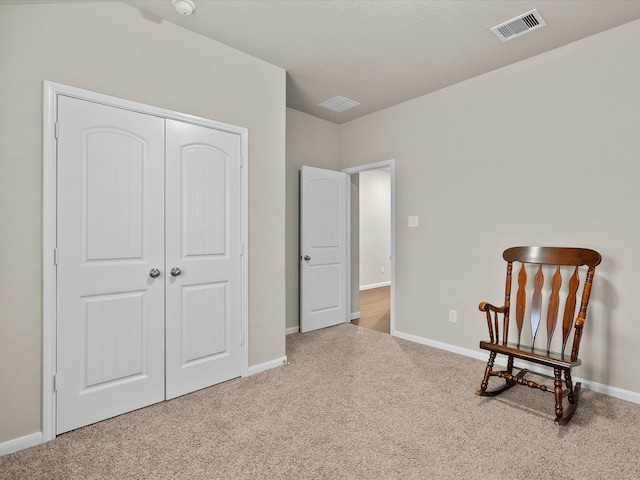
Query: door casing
[49, 227]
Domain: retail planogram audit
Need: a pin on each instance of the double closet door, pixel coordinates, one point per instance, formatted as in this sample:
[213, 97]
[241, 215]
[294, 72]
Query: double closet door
[149, 267]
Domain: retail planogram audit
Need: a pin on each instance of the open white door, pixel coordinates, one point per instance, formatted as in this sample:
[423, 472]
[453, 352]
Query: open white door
[323, 248]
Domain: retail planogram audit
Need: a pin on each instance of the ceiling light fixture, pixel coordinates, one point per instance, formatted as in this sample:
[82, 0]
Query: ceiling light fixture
[184, 7]
[339, 104]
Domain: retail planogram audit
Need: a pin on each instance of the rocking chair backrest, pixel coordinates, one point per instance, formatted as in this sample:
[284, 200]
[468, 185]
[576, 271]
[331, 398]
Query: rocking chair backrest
[531, 260]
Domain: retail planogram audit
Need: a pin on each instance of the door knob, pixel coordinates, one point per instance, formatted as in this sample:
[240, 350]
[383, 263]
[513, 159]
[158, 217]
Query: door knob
[154, 273]
[175, 271]
[307, 258]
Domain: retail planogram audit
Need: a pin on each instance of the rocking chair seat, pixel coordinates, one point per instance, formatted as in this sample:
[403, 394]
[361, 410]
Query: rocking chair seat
[536, 355]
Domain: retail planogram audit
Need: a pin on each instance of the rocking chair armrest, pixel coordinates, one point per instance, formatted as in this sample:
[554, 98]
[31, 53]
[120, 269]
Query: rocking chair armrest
[492, 324]
[486, 307]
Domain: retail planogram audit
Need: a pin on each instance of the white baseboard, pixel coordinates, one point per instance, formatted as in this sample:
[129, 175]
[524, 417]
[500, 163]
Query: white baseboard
[289, 331]
[616, 392]
[21, 443]
[440, 345]
[266, 366]
[374, 285]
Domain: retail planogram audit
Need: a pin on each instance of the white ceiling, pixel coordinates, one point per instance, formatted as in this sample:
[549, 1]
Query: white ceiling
[383, 52]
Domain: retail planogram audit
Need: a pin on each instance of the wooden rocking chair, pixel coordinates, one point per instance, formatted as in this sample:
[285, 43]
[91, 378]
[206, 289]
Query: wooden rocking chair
[533, 261]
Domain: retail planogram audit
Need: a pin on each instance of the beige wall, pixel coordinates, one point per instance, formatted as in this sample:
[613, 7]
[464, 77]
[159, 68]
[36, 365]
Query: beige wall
[111, 48]
[315, 143]
[546, 151]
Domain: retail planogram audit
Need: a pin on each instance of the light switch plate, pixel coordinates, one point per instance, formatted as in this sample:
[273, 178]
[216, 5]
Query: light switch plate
[413, 222]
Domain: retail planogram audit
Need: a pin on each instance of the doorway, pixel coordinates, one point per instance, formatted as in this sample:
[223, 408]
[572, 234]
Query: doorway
[372, 235]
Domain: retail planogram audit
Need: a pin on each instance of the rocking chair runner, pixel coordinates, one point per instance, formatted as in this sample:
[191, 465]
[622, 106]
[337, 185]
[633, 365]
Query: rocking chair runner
[532, 260]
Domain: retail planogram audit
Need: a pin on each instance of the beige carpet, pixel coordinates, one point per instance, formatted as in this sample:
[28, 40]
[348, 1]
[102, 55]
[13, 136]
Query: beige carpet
[351, 404]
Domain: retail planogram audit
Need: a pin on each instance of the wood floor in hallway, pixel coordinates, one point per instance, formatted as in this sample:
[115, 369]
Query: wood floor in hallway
[375, 309]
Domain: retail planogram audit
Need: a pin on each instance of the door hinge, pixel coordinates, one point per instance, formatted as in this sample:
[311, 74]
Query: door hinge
[56, 130]
[56, 256]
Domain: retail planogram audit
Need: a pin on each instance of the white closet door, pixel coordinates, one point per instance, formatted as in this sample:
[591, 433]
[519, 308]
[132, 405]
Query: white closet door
[203, 252]
[110, 318]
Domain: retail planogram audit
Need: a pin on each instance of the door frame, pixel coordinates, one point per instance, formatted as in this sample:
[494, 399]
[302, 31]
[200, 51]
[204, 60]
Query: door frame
[391, 165]
[49, 226]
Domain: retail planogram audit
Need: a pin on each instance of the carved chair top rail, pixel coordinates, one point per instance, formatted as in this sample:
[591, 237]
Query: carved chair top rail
[553, 255]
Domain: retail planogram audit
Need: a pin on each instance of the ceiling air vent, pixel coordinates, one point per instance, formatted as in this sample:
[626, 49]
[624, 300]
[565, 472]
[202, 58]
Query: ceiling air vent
[515, 27]
[339, 104]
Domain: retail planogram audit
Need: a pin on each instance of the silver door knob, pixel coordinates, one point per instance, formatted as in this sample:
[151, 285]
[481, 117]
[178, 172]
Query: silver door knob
[154, 273]
[307, 258]
[175, 271]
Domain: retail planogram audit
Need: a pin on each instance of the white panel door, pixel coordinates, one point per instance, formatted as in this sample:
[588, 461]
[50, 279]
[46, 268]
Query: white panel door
[203, 257]
[323, 248]
[110, 317]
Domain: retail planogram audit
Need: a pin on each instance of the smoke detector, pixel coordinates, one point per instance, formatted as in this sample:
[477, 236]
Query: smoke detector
[339, 104]
[184, 7]
[525, 23]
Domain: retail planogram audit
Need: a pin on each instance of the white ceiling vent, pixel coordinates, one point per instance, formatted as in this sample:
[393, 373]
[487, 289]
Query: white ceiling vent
[515, 27]
[339, 104]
